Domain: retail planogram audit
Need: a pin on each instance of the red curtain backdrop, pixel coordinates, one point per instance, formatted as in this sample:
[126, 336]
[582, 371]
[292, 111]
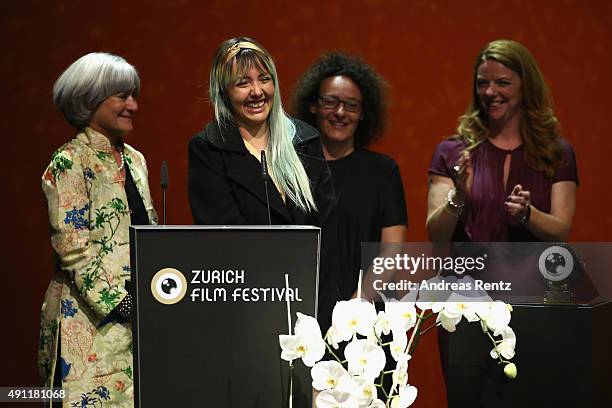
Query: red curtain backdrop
[424, 48]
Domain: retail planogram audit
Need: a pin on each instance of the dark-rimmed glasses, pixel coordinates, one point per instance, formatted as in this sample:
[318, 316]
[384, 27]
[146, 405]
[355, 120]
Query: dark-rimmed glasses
[332, 102]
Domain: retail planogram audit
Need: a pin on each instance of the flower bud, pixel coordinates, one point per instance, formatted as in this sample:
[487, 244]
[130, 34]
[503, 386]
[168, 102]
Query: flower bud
[510, 371]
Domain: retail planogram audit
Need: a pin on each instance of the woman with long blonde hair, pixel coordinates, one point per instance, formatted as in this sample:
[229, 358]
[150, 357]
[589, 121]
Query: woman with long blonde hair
[508, 175]
[225, 166]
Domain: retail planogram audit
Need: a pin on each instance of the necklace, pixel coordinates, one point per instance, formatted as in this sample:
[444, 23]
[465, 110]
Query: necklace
[122, 161]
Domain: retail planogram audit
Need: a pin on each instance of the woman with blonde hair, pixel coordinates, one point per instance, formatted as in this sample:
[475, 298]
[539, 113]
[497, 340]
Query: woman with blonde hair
[225, 169]
[508, 175]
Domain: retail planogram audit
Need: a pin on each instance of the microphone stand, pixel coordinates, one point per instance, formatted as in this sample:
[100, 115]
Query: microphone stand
[164, 204]
[164, 185]
[266, 176]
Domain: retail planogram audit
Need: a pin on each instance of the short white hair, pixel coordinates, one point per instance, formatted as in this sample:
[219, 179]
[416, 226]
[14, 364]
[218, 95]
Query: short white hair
[89, 81]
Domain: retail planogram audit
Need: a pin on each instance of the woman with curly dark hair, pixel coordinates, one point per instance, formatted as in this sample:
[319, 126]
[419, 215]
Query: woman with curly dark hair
[508, 175]
[346, 100]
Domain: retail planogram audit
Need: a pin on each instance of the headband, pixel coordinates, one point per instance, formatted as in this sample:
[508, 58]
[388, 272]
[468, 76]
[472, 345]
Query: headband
[239, 46]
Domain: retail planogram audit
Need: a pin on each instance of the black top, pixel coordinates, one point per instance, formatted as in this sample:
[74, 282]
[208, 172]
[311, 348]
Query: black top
[370, 197]
[226, 188]
[138, 212]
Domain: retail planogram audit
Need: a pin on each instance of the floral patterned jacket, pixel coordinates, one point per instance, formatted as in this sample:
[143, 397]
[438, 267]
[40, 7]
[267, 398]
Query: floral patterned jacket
[89, 220]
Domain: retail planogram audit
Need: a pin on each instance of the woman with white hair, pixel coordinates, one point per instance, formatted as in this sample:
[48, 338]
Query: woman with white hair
[225, 172]
[96, 187]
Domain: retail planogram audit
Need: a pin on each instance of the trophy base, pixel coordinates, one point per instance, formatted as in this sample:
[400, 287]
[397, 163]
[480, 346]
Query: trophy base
[556, 293]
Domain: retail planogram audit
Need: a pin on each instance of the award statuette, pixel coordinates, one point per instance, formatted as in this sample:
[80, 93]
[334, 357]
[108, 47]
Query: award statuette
[559, 266]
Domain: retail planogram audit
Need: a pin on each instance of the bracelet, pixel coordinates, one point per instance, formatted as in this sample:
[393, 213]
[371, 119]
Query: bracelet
[451, 212]
[124, 308]
[525, 218]
[449, 199]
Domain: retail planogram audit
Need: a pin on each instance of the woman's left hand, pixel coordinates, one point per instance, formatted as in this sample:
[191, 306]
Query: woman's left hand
[518, 202]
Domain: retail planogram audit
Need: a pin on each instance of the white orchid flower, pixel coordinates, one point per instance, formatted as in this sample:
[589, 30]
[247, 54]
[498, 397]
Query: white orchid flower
[377, 404]
[330, 375]
[460, 306]
[365, 392]
[507, 345]
[382, 324]
[354, 387]
[365, 358]
[335, 399]
[400, 374]
[494, 315]
[449, 316]
[434, 306]
[306, 343]
[471, 307]
[402, 315]
[307, 326]
[333, 337]
[406, 397]
[353, 316]
[397, 347]
[467, 309]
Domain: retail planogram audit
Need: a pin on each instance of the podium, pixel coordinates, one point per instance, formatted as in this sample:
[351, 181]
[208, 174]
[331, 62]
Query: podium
[562, 355]
[210, 302]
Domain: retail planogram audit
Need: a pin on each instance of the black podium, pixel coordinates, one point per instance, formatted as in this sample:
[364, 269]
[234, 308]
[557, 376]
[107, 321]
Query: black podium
[210, 304]
[562, 354]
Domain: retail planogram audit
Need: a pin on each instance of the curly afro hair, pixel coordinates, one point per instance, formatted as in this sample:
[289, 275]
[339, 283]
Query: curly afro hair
[372, 86]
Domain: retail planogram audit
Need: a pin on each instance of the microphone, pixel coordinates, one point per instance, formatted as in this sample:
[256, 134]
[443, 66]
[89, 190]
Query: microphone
[265, 176]
[164, 185]
[264, 166]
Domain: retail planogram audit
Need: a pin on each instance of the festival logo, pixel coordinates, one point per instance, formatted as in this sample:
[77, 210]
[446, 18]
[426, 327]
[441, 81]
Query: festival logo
[169, 286]
[556, 263]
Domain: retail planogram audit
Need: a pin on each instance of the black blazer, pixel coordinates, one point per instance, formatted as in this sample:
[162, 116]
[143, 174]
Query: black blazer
[226, 188]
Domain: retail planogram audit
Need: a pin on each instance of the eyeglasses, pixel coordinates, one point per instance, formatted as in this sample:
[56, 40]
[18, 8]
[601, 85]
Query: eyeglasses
[332, 102]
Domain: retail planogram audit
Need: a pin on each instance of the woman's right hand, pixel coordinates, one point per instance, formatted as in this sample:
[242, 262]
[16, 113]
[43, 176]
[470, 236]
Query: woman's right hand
[446, 198]
[463, 177]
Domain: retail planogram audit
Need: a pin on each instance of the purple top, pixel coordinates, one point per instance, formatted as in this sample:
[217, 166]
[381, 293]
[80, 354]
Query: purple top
[484, 217]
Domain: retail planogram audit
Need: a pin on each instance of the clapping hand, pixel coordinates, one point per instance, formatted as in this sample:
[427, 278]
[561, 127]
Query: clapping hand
[518, 203]
[463, 175]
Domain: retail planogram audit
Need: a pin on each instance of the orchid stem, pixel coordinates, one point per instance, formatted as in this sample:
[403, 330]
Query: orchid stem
[428, 329]
[499, 356]
[415, 331]
[332, 353]
[428, 316]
